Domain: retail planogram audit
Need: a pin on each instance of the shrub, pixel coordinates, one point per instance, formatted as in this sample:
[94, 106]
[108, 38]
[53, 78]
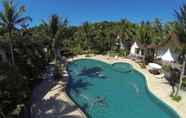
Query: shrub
[88, 55]
[175, 98]
[167, 68]
[184, 82]
[76, 50]
[142, 65]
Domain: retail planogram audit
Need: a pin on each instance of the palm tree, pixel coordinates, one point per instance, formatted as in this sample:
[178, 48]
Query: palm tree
[10, 18]
[174, 76]
[144, 35]
[53, 29]
[2, 113]
[128, 33]
[158, 33]
[85, 34]
[86, 31]
[181, 33]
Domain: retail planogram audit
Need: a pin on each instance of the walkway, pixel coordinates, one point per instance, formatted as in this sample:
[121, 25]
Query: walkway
[49, 100]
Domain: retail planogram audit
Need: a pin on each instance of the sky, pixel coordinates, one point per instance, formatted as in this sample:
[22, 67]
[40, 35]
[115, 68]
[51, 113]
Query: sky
[79, 11]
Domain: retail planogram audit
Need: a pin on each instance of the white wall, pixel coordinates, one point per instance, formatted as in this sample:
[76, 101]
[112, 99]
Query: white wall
[161, 51]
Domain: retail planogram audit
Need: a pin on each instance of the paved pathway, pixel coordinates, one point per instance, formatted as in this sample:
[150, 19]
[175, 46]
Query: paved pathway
[50, 101]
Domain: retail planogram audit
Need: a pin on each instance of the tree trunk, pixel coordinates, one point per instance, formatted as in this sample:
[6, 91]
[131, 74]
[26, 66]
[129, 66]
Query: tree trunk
[110, 44]
[2, 114]
[12, 53]
[11, 49]
[173, 90]
[181, 79]
[144, 55]
[54, 50]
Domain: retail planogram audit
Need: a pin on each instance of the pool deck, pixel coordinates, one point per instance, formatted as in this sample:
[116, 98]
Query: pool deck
[49, 100]
[159, 87]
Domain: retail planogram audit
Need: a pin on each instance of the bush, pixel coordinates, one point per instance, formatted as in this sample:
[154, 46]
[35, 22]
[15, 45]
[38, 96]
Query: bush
[184, 82]
[175, 98]
[77, 51]
[142, 65]
[167, 68]
[118, 53]
[113, 53]
[123, 53]
[88, 55]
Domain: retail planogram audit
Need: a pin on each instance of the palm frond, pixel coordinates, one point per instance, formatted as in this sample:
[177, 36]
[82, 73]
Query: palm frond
[23, 20]
[19, 12]
[2, 17]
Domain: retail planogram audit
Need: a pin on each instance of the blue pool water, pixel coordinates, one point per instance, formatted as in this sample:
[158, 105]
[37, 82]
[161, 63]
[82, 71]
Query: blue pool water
[113, 91]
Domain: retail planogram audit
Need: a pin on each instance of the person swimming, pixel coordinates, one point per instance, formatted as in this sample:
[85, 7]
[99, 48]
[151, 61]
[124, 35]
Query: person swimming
[100, 101]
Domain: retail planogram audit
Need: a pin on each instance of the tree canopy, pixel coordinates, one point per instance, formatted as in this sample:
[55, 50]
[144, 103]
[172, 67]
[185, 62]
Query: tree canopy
[31, 49]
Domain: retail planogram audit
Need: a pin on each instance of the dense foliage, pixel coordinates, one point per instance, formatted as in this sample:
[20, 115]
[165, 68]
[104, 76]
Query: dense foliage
[30, 50]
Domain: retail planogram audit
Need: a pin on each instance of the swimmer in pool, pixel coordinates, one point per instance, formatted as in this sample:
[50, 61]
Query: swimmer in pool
[100, 101]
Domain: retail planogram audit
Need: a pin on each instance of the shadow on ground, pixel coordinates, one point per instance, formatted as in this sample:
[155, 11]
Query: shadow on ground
[53, 108]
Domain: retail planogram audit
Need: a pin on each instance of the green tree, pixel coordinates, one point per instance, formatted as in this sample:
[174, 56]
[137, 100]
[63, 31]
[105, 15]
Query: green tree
[52, 29]
[158, 34]
[144, 36]
[181, 33]
[11, 18]
[84, 36]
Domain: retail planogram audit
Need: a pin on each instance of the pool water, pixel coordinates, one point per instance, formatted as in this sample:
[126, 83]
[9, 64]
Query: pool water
[102, 91]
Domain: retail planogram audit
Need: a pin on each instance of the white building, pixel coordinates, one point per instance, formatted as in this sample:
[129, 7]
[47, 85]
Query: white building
[167, 51]
[135, 50]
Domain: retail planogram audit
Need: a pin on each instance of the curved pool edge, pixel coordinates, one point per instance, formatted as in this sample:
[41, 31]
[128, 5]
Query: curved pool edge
[139, 70]
[72, 102]
[150, 90]
[154, 97]
[83, 115]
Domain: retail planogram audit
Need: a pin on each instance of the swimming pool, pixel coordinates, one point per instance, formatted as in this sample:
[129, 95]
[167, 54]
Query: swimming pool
[113, 91]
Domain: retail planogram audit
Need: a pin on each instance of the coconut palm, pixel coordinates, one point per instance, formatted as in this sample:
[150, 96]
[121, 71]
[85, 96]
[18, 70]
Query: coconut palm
[158, 33]
[181, 33]
[52, 29]
[10, 19]
[144, 36]
[128, 33]
[2, 113]
[84, 36]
